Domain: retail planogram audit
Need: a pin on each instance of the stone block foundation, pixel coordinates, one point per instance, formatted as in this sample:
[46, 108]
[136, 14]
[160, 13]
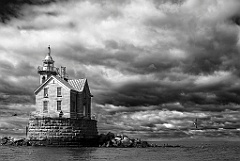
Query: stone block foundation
[62, 131]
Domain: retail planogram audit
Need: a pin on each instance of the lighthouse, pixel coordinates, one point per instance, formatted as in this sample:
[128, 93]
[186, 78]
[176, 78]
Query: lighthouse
[63, 109]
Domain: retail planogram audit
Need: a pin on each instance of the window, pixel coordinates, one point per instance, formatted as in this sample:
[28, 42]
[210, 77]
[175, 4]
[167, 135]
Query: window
[73, 106]
[59, 91]
[45, 105]
[84, 110]
[45, 93]
[59, 104]
[43, 79]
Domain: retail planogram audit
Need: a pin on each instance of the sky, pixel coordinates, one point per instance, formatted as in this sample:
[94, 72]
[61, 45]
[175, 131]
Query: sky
[153, 66]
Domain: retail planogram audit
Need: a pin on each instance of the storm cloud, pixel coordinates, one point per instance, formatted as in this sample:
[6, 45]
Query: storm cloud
[152, 66]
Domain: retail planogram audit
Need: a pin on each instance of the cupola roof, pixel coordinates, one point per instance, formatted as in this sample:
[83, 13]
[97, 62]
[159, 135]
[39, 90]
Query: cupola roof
[48, 57]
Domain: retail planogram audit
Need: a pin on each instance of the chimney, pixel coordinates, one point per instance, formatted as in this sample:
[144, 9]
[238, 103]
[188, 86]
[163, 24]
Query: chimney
[63, 73]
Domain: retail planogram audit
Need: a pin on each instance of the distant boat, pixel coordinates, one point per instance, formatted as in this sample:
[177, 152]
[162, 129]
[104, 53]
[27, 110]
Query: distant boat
[196, 123]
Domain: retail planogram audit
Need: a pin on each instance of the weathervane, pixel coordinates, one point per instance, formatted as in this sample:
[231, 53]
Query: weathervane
[49, 50]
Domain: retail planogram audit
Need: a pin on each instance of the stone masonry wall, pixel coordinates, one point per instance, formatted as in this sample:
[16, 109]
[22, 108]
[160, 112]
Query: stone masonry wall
[60, 130]
[52, 98]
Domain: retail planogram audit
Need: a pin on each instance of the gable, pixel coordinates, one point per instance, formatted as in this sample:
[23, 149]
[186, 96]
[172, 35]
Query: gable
[87, 89]
[57, 80]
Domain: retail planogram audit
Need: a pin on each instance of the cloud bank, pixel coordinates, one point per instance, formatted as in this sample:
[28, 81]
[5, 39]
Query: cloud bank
[152, 66]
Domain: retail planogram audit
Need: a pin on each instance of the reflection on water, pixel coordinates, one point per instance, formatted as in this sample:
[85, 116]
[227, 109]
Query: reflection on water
[44, 153]
[61, 153]
[191, 151]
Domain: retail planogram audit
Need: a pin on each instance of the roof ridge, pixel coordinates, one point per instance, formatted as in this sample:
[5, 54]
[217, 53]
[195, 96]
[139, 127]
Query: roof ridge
[77, 79]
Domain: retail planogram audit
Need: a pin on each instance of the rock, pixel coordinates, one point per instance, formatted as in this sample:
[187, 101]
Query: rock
[145, 144]
[22, 142]
[126, 142]
[112, 140]
[15, 142]
[7, 141]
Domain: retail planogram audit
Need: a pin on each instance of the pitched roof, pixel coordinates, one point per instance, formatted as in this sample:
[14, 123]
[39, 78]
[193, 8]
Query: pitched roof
[77, 84]
[73, 84]
[63, 82]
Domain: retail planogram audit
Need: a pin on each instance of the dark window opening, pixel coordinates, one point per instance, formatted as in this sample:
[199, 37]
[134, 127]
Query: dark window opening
[73, 106]
[59, 105]
[45, 93]
[45, 105]
[43, 79]
[84, 110]
[59, 91]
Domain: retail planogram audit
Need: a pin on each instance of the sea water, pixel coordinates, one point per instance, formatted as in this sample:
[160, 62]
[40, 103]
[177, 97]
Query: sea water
[189, 151]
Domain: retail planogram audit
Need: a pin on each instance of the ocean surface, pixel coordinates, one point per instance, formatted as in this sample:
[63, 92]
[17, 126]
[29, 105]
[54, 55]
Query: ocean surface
[191, 151]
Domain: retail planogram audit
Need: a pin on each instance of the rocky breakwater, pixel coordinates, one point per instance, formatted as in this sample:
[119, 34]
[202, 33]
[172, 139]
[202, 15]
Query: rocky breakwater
[104, 140]
[112, 140]
[15, 142]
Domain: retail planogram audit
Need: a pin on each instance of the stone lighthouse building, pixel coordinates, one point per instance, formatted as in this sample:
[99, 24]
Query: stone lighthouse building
[63, 109]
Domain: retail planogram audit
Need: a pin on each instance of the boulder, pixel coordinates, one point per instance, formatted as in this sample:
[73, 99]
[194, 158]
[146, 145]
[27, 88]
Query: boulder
[22, 142]
[112, 140]
[14, 141]
[7, 141]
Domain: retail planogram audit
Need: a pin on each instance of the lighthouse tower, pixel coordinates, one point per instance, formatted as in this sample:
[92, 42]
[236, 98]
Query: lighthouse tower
[47, 69]
[62, 113]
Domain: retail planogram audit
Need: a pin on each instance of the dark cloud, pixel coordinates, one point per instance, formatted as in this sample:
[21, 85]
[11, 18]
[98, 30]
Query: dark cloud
[235, 19]
[12, 8]
[17, 78]
[152, 66]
